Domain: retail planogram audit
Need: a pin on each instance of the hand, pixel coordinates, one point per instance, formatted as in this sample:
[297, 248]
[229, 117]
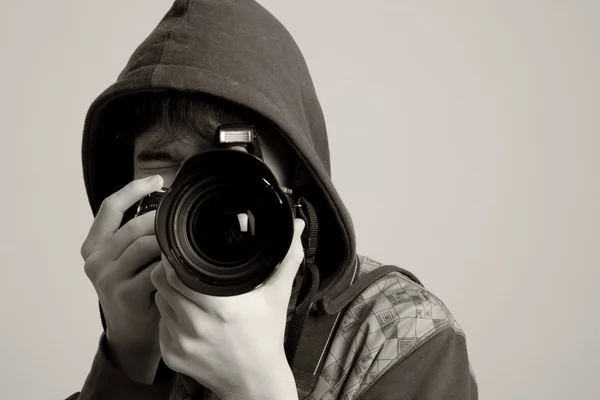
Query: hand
[113, 262]
[231, 345]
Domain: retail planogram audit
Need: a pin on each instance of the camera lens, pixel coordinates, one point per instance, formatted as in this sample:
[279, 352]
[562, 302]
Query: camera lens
[224, 224]
[218, 228]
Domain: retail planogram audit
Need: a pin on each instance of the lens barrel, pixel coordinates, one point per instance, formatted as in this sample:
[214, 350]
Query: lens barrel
[225, 223]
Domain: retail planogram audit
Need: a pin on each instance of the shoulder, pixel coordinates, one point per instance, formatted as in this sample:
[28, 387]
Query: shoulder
[396, 301]
[392, 318]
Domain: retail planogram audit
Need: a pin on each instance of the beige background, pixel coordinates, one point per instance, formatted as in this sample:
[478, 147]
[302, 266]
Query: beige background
[465, 140]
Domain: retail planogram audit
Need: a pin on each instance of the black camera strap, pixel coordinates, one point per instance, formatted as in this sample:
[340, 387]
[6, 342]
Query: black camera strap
[309, 333]
[310, 278]
[312, 328]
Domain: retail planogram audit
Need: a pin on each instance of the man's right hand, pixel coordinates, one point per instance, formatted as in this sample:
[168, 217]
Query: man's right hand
[114, 260]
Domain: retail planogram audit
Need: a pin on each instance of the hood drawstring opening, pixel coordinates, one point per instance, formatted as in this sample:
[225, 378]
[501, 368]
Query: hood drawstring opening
[310, 283]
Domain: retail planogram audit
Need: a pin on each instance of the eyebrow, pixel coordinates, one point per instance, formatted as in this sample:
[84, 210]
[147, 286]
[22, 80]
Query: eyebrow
[156, 155]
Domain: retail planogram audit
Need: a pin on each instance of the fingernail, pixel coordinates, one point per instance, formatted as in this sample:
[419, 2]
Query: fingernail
[154, 179]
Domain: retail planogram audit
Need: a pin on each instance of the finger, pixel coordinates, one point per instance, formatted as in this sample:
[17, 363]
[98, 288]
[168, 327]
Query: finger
[182, 306]
[110, 214]
[288, 268]
[129, 233]
[165, 335]
[166, 342]
[176, 284]
[170, 348]
[141, 284]
[143, 251]
[165, 309]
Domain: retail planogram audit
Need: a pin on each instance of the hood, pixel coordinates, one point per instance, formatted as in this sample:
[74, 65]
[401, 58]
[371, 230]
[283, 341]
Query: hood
[237, 51]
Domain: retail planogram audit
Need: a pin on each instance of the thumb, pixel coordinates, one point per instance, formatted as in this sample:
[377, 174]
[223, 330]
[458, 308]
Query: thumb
[288, 268]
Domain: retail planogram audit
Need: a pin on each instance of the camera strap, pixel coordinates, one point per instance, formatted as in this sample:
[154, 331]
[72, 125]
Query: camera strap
[310, 277]
[315, 339]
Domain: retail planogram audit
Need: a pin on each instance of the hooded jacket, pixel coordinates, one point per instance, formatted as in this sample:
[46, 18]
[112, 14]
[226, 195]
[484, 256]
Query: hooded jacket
[237, 51]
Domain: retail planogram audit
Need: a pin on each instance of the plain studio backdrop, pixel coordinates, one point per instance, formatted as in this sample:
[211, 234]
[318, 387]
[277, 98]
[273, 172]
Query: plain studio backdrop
[465, 143]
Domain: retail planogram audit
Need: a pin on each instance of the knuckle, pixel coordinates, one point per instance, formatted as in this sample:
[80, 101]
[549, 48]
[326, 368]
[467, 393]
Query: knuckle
[224, 315]
[122, 295]
[85, 250]
[89, 269]
[109, 203]
[185, 344]
[89, 247]
[104, 283]
[170, 359]
[133, 227]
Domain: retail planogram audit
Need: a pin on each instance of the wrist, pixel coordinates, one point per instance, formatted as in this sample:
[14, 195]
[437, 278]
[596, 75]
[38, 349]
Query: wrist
[275, 384]
[138, 363]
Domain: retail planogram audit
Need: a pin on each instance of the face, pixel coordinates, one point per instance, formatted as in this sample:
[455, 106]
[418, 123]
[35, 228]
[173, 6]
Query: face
[165, 160]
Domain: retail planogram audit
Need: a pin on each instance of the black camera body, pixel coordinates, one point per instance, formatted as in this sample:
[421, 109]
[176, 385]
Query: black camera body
[225, 223]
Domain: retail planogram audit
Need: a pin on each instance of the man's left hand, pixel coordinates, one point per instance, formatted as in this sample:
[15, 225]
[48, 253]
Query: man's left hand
[231, 345]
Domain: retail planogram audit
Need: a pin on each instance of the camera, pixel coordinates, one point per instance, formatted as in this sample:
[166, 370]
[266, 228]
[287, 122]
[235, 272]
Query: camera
[225, 223]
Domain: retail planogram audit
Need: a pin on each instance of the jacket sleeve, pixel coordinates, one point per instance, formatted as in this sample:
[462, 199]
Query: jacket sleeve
[439, 369]
[105, 382]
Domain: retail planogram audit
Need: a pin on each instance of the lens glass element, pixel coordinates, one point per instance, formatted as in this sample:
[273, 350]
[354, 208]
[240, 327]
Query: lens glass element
[225, 228]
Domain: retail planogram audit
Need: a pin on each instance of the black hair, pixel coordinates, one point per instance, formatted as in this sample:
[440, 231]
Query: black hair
[177, 112]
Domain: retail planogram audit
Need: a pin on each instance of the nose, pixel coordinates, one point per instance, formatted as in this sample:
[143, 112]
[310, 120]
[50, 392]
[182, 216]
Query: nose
[239, 148]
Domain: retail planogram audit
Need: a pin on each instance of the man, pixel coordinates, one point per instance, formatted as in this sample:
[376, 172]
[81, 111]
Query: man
[371, 332]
